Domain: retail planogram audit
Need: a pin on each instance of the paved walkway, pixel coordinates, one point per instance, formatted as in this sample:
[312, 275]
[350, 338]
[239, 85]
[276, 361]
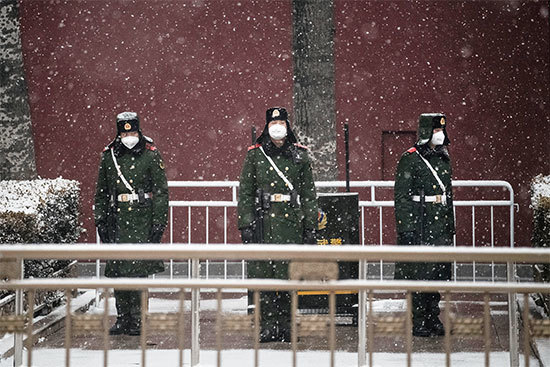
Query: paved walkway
[467, 305]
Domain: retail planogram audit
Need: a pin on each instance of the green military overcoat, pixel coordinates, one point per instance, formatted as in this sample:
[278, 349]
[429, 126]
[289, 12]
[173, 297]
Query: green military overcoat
[283, 223]
[132, 221]
[437, 223]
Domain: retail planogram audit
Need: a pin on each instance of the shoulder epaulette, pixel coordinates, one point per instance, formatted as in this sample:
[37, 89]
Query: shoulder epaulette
[301, 146]
[254, 146]
[411, 150]
[150, 147]
[148, 139]
[106, 148]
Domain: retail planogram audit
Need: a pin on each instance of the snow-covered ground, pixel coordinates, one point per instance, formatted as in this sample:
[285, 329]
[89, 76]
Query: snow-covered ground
[268, 358]
[236, 305]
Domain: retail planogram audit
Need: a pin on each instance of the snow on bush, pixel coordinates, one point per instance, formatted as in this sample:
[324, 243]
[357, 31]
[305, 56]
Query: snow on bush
[540, 203]
[40, 211]
[540, 192]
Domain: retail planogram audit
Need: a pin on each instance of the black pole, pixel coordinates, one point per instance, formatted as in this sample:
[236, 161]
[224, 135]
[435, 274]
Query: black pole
[346, 141]
[253, 135]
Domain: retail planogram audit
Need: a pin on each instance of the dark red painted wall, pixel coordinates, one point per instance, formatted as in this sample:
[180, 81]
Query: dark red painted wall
[201, 72]
[483, 63]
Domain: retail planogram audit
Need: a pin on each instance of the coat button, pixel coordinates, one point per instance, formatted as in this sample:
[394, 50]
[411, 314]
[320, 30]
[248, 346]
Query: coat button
[131, 181]
[273, 215]
[434, 186]
[129, 208]
[286, 168]
[271, 168]
[132, 166]
[117, 181]
[436, 217]
[286, 215]
[117, 209]
[272, 184]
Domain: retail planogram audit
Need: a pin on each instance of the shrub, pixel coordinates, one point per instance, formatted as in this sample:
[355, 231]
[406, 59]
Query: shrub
[40, 211]
[540, 203]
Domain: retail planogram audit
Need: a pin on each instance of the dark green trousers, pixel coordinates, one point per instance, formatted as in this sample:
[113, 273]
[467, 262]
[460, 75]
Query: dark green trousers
[274, 306]
[425, 307]
[128, 304]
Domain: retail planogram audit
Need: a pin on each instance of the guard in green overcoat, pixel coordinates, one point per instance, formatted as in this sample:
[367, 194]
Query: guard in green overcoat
[131, 206]
[424, 214]
[277, 204]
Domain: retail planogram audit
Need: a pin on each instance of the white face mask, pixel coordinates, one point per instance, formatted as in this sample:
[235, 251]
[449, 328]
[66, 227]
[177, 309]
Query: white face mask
[129, 141]
[277, 132]
[438, 138]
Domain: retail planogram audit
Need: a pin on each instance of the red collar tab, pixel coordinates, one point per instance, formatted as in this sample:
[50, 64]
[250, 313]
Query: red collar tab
[411, 150]
[254, 146]
[150, 147]
[301, 146]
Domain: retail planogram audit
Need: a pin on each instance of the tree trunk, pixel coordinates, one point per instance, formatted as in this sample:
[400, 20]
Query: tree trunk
[17, 160]
[314, 111]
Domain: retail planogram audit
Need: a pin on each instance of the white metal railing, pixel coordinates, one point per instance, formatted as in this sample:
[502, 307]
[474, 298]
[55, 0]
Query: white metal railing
[265, 252]
[373, 202]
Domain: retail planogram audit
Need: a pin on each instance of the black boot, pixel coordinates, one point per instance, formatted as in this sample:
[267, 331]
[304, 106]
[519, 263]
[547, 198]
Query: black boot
[269, 334]
[134, 326]
[284, 334]
[432, 320]
[120, 327]
[435, 326]
[420, 329]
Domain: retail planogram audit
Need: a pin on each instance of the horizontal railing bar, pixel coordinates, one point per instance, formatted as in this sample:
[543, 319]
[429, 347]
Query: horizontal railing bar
[389, 203]
[365, 203]
[229, 184]
[267, 284]
[190, 203]
[274, 251]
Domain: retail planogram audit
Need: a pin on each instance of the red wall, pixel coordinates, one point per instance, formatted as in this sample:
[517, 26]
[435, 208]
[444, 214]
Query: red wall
[483, 63]
[201, 72]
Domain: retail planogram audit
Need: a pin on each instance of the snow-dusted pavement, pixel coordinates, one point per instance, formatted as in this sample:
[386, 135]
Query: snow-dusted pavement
[245, 358]
[238, 350]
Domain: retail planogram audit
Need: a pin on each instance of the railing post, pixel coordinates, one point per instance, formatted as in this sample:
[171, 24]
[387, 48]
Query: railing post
[17, 273]
[512, 306]
[362, 319]
[195, 317]
[513, 318]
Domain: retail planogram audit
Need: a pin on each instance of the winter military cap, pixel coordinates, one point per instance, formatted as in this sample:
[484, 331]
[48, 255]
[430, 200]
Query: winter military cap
[279, 114]
[276, 113]
[127, 122]
[427, 123]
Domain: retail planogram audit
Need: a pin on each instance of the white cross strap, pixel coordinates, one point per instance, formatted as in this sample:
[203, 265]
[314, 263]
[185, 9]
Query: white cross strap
[433, 173]
[281, 174]
[128, 186]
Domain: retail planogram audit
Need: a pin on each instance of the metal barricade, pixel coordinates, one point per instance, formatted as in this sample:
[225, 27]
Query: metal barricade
[231, 200]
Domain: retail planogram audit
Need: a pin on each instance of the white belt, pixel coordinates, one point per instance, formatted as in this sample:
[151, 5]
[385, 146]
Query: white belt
[133, 197]
[438, 199]
[282, 198]
[278, 198]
